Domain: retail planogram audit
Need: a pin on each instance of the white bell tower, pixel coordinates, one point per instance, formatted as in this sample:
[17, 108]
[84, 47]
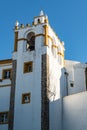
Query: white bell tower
[38, 60]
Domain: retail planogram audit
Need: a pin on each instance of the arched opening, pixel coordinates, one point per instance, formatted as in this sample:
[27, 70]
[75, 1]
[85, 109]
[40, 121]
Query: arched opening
[38, 20]
[86, 77]
[31, 41]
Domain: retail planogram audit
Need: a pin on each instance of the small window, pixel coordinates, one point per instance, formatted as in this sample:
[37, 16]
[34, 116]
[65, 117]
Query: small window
[7, 74]
[71, 84]
[25, 98]
[28, 67]
[3, 117]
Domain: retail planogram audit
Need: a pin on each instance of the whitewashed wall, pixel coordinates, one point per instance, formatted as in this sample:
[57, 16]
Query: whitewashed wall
[28, 116]
[55, 105]
[4, 94]
[75, 112]
[56, 83]
[76, 75]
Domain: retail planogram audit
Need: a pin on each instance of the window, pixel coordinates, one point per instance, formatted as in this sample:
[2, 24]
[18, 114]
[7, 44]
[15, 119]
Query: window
[71, 84]
[4, 117]
[6, 74]
[28, 67]
[25, 98]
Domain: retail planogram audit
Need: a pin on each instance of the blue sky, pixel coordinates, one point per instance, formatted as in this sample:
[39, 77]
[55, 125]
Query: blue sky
[67, 17]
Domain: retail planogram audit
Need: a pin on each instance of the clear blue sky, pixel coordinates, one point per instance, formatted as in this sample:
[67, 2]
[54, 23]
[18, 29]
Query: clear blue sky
[67, 17]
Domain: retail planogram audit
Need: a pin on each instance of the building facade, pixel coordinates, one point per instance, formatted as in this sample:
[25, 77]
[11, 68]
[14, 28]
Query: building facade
[37, 86]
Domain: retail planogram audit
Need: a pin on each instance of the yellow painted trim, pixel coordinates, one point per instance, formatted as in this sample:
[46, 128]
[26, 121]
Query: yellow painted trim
[22, 39]
[37, 35]
[16, 27]
[59, 53]
[7, 61]
[5, 85]
[9, 69]
[26, 94]
[55, 46]
[46, 20]
[46, 35]
[26, 64]
[50, 38]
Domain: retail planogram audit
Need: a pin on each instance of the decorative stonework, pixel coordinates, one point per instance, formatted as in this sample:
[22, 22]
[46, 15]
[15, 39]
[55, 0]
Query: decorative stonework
[12, 96]
[44, 93]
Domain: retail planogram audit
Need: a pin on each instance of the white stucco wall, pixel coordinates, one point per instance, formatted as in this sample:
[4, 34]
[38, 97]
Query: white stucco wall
[28, 116]
[73, 109]
[55, 81]
[4, 93]
[4, 103]
[76, 75]
[75, 112]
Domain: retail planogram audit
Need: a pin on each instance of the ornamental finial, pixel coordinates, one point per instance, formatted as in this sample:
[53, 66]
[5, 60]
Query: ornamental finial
[16, 24]
[41, 13]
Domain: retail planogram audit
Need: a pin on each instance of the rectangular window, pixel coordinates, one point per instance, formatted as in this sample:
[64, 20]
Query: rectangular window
[6, 74]
[4, 116]
[28, 67]
[25, 98]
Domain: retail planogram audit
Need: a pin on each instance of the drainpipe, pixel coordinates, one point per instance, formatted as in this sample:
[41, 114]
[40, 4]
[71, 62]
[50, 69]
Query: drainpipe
[66, 75]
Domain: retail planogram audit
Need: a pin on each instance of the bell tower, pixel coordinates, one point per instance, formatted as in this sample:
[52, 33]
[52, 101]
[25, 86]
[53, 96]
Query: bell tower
[38, 60]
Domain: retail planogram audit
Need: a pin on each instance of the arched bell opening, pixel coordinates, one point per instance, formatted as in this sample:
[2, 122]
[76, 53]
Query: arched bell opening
[31, 41]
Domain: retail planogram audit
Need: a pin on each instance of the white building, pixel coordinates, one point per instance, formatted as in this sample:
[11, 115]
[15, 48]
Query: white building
[39, 89]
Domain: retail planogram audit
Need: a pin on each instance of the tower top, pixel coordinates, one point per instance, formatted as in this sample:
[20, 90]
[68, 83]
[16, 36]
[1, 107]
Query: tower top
[41, 19]
[41, 13]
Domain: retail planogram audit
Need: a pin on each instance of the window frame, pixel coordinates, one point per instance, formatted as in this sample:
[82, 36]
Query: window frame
[3, 73]
[26, 67]
[29, 96]
[6, 122]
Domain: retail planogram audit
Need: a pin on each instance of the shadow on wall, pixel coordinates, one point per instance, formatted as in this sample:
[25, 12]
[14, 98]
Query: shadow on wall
[55, 106]
[55, 116]
[75, 112]
[76, 77]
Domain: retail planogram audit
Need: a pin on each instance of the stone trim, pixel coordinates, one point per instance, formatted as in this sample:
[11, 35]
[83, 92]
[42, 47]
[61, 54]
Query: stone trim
[7, 61]
[46, 35]
[44, 93]
[12, 96]
[5, 85]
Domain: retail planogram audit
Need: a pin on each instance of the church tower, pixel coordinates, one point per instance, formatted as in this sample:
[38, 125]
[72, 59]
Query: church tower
[38, 62]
